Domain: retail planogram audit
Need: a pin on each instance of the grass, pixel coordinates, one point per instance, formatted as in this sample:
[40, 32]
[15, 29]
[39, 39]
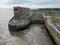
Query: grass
[37, 15]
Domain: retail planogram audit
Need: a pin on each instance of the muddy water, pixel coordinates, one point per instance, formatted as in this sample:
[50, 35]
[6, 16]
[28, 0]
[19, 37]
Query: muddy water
[34, 35]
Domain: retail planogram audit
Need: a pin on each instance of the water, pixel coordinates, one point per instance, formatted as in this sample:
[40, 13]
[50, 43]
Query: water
[34, 35]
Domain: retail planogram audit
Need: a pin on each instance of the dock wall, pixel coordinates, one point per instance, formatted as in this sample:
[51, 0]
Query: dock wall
[53, 32]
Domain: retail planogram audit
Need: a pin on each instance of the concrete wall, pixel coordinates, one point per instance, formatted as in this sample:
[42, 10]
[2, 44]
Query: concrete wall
[53, 31]
[41, 21]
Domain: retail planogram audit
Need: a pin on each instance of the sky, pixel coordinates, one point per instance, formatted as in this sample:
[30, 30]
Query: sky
[30, 3]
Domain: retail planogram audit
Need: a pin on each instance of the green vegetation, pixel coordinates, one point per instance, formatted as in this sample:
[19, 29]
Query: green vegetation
[54, 13]
[37, 16]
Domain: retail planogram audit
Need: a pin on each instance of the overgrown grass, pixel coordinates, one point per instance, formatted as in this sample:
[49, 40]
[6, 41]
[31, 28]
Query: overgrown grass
[37, 16]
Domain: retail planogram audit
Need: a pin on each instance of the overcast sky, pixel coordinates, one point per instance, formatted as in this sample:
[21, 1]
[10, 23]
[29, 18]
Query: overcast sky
[30, 3]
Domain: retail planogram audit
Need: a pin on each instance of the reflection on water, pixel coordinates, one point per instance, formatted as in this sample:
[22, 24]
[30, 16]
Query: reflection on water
[5, 16]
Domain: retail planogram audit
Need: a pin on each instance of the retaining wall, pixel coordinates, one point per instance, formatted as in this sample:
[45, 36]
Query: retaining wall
[41, 21]
[53, 32]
